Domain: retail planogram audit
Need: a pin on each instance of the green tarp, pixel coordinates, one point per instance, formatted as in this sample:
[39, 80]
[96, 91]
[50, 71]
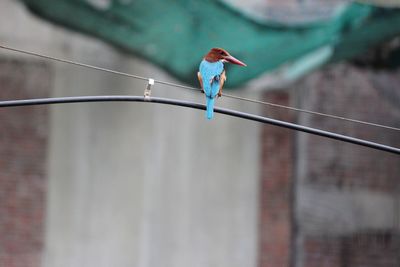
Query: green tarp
[175, 34]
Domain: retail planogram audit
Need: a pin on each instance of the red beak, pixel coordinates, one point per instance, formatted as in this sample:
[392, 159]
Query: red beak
[233, 60]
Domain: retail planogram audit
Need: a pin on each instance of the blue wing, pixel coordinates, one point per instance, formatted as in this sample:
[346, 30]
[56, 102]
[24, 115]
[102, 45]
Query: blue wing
[211, 75]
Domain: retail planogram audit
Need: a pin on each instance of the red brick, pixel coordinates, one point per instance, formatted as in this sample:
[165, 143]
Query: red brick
[277, 168]
[23, 146]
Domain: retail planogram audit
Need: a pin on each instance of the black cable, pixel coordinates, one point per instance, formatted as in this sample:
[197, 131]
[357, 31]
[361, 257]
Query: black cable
[247, 116]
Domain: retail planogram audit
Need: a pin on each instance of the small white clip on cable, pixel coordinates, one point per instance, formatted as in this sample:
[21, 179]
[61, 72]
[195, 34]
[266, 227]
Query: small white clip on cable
[147, 91]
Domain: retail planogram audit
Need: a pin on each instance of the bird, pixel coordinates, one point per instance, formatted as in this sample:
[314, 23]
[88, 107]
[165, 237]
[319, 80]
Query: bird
[212, 75]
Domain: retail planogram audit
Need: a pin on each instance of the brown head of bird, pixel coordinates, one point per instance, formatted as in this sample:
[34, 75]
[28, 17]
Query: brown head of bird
[217, 54]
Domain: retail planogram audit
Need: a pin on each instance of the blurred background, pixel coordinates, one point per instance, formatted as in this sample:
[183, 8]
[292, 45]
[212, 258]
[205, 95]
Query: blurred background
[134, 184]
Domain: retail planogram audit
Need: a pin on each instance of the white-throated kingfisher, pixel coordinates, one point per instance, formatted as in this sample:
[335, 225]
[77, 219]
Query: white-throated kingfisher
[212, 75]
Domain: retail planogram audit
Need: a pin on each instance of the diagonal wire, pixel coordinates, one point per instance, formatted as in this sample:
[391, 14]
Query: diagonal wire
[73, 63]
[197, 89]
[314, 113]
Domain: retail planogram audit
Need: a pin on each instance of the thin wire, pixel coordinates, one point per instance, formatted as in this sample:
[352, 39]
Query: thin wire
[314, 113]
[74, 63]
[229, 112]
[197, 89]
[287, 107]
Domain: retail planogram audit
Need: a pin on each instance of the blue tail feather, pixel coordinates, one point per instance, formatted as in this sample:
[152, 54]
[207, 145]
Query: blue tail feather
[210, 107]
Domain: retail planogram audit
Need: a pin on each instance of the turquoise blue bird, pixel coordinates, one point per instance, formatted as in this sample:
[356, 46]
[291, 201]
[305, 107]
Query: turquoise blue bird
[212, 76]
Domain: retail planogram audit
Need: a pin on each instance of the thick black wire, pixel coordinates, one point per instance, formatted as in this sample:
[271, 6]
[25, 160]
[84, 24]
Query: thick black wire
[229, 112]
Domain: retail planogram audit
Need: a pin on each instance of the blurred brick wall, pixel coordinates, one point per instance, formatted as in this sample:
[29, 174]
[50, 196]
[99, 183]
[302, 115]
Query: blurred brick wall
[23, 144]
[341, 90]
[351, 92]
[276, 186]
[372, 249]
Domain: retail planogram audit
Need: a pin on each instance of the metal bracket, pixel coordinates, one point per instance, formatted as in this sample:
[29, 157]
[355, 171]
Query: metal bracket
[147, 91]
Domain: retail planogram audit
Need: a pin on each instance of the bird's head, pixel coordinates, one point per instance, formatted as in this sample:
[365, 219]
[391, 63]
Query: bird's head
[217, 54]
